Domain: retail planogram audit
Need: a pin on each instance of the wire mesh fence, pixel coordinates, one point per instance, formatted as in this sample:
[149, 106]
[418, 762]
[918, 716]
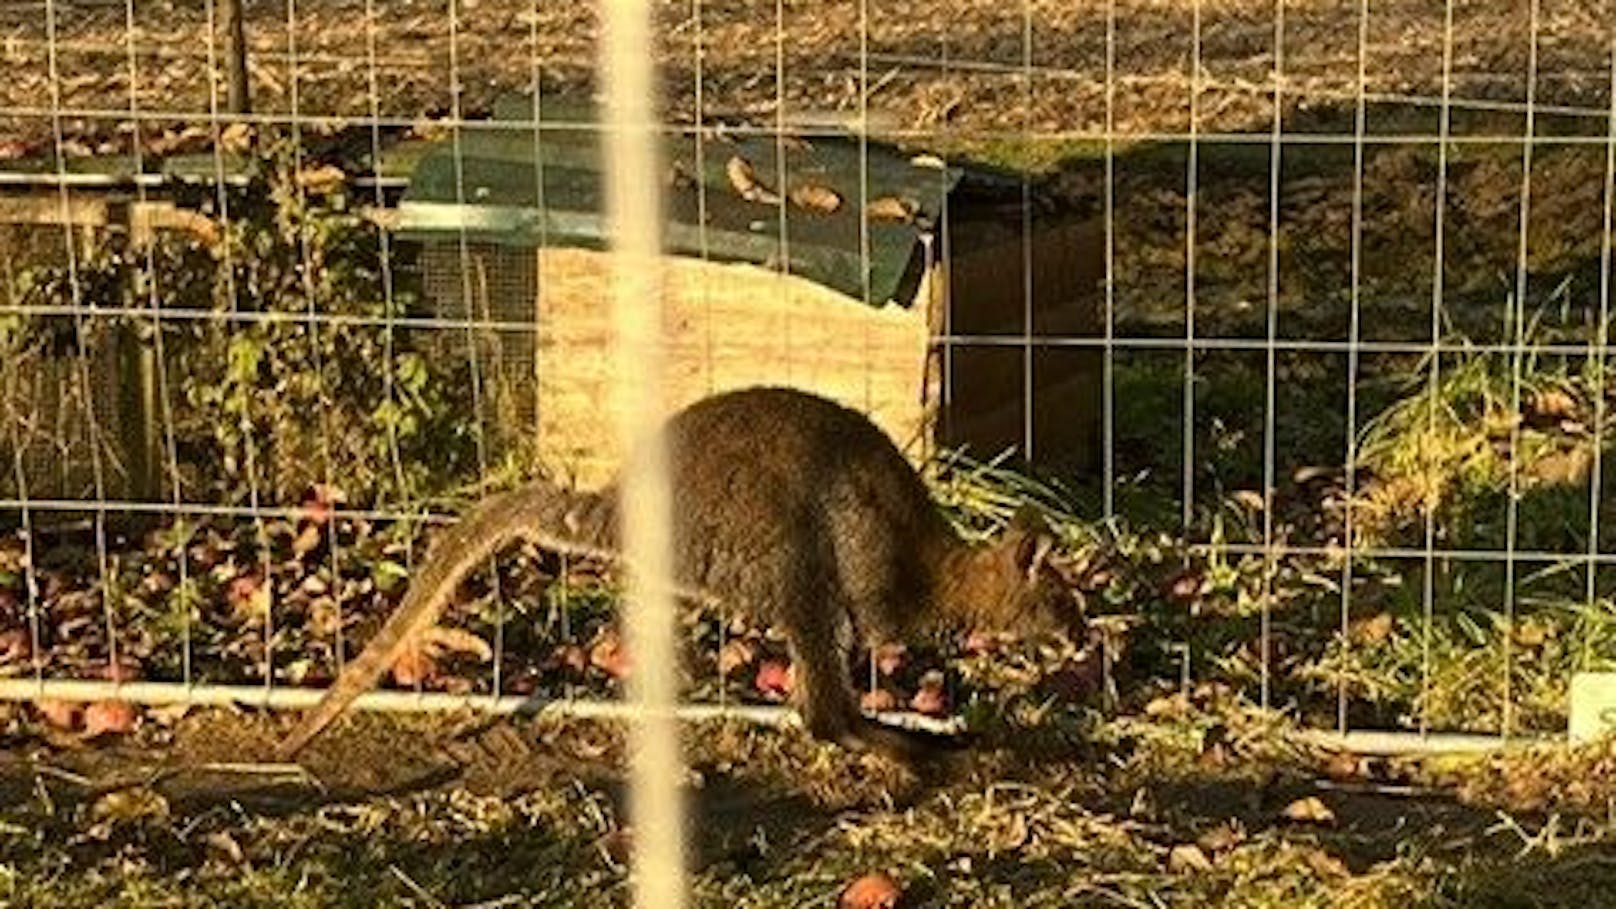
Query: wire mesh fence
[1299, 310]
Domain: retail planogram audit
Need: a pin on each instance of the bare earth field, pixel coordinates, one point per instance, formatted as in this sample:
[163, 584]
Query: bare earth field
[425, 812]
[958, 68]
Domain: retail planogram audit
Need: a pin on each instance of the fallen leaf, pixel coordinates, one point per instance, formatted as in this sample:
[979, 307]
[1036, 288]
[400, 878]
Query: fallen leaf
[1554, 404]
[1309, 810]
[609, 655]
[889, 658]
[872, 891]
[306, 541]
[1077, 680]
[225, 846]
[571, 657]
[891, 208]
[1221, 838]
[1250, 499]
[816, 197]
[168, 714]
[1167, 706]
[1533, 634]
[439, 639]
[774, 679]
[127, 669]
[1187, 586]
[16, 646]
[110, 718]
[59, 714]
[979, 643]
[746, 183]
[1326, 865]
[931, 699]
[1187, 858]
[236, 138]
[136, 803]
[1373, 630]
[414, 667]
[325, 179]
[249, 598]
[1304, 475]
[737, 653]
[879, 700]
[320, 503]
[1344, 766]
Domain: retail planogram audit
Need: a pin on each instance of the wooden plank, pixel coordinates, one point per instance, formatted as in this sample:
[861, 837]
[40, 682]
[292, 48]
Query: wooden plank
[47, 209]
[728, 326]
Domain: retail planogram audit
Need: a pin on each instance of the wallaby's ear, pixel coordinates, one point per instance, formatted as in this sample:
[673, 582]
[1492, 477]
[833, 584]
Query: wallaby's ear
[1031, 550]
[1028, 519]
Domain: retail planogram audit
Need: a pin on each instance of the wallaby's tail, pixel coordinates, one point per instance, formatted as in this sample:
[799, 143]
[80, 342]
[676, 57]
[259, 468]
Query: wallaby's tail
[580, 524]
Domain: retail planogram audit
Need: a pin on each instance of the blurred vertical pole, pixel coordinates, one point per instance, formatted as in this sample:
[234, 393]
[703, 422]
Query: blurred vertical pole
[235, 55]
[633, 209]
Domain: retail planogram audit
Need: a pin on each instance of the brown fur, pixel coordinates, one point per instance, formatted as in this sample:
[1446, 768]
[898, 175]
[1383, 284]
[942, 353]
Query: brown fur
[790, 507]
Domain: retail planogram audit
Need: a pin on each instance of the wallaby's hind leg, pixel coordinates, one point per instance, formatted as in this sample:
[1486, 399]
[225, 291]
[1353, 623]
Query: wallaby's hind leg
[821, 690]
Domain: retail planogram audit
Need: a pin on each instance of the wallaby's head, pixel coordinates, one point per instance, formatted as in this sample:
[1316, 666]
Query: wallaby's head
[1013, 587]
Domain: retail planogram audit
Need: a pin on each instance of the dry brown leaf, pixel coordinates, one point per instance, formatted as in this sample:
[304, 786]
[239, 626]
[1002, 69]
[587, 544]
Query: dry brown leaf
[931, 699]
[324, 179]
[249, 598]
[775, 679]
[307, 540]
[878, 701]
[1221, 838]
[1554, 404]
[816, 197]
[225, 846]
[16, 646]
[135, 803]
[1187, 586]
[1309, 810]
[872, 891]
[737, 653]
[236, 138]
[981, 643]
[439, 639]
[1530, 633]
[746, 183]
[414, 667]
[1344, 766]
[110, 718]
[1307, 474]
[892, 208]
[609, 655]
[1187, 858]
[889, 658]
[1326, 865]
[59, 714]
[1250, 499]
[1373, 630]
[168, 714]
[1167, 705]
[571, 657]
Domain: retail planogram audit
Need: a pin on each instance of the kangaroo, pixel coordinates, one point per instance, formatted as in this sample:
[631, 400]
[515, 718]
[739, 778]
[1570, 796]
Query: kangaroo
[787, 506]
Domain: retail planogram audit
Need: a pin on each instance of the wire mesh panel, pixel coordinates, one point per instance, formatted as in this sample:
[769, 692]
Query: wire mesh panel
[1312, 297]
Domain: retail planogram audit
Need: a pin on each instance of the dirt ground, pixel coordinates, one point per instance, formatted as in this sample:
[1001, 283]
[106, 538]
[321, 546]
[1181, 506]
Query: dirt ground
[959, 67]
[451, 811]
